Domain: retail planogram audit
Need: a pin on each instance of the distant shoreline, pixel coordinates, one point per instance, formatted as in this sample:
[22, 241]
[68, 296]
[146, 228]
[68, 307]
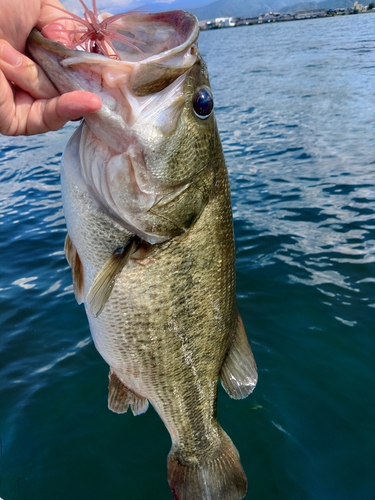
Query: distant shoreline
[272, 17]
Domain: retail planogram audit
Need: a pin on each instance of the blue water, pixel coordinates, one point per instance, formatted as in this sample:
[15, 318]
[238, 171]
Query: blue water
[296, 111]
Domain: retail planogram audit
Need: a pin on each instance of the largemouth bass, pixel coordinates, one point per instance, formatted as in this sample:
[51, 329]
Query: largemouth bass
[150, 240]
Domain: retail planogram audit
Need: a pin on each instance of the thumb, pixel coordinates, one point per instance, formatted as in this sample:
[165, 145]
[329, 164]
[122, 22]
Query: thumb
[52, 114]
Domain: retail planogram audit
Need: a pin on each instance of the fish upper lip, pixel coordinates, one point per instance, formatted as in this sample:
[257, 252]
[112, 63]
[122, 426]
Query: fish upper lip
[73, 56]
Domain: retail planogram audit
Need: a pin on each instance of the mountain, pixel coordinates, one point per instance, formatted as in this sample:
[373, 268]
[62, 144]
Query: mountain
[239, 8]
[325, 5]
[205, 10]
[244, 8]
[251, 8]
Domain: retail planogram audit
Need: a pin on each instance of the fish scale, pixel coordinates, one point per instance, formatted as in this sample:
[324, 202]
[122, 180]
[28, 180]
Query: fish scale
[152, 251]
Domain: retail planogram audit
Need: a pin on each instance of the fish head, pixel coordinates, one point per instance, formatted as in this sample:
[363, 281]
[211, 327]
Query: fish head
[149, 155]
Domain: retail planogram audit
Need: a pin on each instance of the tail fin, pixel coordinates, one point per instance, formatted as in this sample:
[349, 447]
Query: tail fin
[222, 478]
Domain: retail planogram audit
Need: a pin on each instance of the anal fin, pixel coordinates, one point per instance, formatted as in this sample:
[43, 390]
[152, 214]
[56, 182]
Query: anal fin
[239, 372]
[121, 397]
[77, 269]
[104, 281]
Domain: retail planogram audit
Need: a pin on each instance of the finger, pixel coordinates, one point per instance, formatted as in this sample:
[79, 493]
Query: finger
[6, 105]
[24, 73]
[49, 13]
[46, 115]
[57, 23]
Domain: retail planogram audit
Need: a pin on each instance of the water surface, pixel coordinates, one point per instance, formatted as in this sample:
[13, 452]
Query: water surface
[295, 107]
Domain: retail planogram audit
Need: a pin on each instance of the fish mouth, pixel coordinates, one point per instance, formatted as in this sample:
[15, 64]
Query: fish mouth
[163, 42]
[142, 80]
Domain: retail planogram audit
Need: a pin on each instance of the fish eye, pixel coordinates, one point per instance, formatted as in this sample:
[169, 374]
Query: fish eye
[203, 103]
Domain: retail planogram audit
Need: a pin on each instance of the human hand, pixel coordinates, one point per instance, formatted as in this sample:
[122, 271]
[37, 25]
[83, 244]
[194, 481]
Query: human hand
[29, 103]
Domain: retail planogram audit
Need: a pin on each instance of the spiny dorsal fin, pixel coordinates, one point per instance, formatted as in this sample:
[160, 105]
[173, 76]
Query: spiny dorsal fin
[120, 397]
[239, 371]
[104, 281]
[77, 269]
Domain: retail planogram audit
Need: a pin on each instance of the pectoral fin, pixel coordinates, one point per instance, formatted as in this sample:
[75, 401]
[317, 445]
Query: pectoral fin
[77, 269]
[239, 372]
[120, 397]
[104, 281]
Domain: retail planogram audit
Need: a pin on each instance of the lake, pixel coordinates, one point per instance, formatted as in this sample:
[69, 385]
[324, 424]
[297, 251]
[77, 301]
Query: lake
[296, 112]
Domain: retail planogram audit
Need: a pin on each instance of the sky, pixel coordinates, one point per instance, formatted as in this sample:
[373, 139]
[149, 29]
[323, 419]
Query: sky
[114, 6]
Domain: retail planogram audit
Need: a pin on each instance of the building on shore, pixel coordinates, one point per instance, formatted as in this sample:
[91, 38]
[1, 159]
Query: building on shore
[358, 7]
[225, 22]
[310, 14]
[271, 17]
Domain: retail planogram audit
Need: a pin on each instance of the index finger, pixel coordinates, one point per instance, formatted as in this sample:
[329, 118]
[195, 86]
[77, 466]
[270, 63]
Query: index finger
[25, 73]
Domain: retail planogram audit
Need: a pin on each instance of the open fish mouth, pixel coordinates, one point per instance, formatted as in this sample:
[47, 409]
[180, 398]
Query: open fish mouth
[164, 48]
[126, 36]
[150, 46]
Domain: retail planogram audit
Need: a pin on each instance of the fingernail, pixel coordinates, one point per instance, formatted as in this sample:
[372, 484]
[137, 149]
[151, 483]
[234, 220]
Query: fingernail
[10, 55]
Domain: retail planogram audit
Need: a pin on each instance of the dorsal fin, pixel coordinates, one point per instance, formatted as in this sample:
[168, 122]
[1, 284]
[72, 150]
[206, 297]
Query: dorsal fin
[104, 281]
